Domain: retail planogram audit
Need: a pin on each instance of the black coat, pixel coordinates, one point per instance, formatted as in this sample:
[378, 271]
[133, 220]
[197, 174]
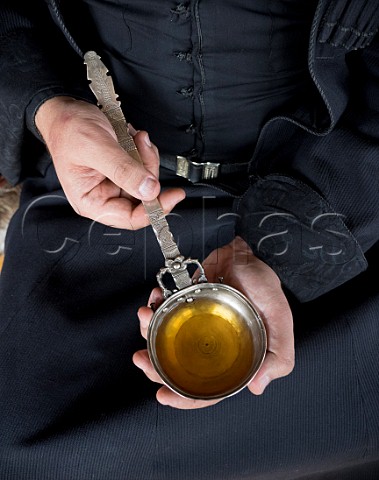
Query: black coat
[318, 164]
[72, 405]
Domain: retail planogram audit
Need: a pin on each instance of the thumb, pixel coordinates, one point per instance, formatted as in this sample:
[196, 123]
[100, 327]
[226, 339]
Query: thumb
[137, 178]
[148, 152]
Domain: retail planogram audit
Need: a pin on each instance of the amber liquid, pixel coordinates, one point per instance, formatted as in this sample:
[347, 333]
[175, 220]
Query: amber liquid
[205, 348]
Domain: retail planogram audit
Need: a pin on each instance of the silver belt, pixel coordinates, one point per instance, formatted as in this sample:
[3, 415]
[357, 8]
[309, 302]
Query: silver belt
[197, 171]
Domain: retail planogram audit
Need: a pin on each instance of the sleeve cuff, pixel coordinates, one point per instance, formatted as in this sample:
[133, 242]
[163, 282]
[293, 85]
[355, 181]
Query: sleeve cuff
[43, 95]
[296, 232]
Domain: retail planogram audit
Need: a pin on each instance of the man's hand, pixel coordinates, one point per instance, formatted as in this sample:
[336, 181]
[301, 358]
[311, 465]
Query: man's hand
[242, 270]
[101, 181]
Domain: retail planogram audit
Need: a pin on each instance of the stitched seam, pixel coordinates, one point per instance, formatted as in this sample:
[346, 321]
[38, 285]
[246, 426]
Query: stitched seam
[344, 45]
[326, 15]
[306, 189]
[312, 46]
[356, 32]
[58, 15]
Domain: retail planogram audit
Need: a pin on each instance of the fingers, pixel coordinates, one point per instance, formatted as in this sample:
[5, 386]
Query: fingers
[138, 179]
[156, 298]
[262, 287]
[82, 141]
[120, 212]
[148, 152]
[142, 361]
[145, 313]
[273, 368]
[133, 180]
[101, 180]
[280, 357]
[165, 396]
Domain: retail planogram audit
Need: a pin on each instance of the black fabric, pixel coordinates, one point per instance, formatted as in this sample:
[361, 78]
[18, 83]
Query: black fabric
[311, 248]
[74, 407]
[335, 76]
[212, 104]
[340, 163]
[36, 64]
[344, 26]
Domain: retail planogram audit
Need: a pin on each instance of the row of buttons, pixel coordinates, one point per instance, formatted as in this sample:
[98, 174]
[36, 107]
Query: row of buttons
[183, 11]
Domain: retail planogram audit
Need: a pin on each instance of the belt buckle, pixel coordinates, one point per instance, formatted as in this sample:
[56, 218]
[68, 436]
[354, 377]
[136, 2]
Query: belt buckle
[195, 171]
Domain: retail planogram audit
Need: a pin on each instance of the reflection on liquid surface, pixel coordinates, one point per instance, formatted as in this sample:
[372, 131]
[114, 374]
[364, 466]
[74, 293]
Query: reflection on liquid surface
[205, 348]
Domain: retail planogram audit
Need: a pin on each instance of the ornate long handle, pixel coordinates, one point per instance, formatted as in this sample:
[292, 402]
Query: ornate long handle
[101, 84]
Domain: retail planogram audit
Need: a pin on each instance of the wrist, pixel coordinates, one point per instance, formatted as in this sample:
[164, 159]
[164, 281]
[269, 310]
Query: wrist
[240, 244]
[52, 112]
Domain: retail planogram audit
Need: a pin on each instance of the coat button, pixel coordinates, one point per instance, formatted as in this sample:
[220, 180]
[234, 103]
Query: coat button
[184, 56]
[186, 92]
[181, 10]
[191, 129]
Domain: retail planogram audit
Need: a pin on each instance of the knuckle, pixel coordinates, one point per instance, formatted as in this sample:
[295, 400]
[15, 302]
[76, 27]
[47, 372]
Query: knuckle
[156, 151]
[83, 211]
[122, 173]
[287, 365]
[76, 208]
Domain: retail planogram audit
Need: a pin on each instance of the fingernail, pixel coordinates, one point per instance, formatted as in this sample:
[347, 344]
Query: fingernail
[131, 129]
[147, 140]
[144, 323]
[147, 187]
[264, 381]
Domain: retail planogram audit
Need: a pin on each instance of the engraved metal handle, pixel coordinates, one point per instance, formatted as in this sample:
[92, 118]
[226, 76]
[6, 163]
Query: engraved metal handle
[102, 86]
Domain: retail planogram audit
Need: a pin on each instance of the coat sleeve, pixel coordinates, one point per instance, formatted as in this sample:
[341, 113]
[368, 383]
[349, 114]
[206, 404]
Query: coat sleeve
[312, 209]
[36, 63]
